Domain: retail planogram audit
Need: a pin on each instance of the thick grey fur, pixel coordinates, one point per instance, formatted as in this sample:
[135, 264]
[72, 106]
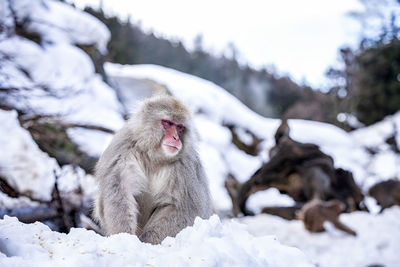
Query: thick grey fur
[142, 191]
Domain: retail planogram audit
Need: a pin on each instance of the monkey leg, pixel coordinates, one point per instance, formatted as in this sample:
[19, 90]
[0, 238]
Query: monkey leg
[288, 213]
[344, 228]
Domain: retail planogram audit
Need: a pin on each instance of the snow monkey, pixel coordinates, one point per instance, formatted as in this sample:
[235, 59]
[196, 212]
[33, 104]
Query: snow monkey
[151, 181]
[315, 212]
[386, 193]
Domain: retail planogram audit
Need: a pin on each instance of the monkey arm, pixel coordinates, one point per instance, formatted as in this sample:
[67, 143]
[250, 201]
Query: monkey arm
[165, 221]
[118, 205]
[119, 213]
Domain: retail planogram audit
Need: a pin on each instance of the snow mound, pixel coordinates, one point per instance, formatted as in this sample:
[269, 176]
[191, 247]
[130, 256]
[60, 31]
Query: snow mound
[25, 167]
[377, 242]
[206, 243]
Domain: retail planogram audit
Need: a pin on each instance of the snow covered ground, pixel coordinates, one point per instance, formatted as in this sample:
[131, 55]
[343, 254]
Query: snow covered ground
[377, 242]
[207, 243]
[78, 94]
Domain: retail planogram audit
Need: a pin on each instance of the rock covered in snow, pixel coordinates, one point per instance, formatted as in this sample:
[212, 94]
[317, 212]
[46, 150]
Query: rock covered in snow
[25, 167]
[54, 76]
[207, 243]
[57, 22]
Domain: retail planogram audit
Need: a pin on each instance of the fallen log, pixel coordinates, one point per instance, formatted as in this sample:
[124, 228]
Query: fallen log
[300, 170]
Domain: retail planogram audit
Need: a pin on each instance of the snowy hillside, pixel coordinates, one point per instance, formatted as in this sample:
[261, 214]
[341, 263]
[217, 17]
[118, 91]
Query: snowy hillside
[51, 76]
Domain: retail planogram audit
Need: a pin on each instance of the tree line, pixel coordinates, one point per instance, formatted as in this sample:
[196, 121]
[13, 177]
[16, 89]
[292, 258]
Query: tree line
[366, 87]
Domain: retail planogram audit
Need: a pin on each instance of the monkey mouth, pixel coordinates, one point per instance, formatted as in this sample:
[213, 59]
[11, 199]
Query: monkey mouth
[171, 148]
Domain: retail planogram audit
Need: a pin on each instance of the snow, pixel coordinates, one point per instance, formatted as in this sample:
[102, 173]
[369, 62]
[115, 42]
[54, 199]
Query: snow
[24, 166]
[91, 141]
[71, 178]
[76, 93]
[15, 203]
[6, 20]
[62, 82]
[206, 243]
[60, 23]
[240, 164]
[268, 198]
[375, 135]
[216, 171]
[385, 164]
[377, 240]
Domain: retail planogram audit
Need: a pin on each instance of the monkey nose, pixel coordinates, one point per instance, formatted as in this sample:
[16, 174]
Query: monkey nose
[175, 135]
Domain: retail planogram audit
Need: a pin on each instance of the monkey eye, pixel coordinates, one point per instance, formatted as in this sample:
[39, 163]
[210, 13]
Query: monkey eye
[167, 123]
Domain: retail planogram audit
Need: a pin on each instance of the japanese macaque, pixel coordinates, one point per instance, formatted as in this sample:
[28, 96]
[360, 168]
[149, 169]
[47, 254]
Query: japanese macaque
[151, 181]
[316, 212]
[386, 193]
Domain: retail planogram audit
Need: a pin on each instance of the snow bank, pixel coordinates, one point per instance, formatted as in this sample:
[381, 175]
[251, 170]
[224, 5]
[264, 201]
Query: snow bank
[207, 243]
[377, 242]
[25, 167]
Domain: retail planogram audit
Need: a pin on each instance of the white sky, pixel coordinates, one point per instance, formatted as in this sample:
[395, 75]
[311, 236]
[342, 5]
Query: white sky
[301, 38]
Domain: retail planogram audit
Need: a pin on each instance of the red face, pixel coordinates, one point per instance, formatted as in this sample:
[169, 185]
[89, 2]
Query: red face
[171, 142]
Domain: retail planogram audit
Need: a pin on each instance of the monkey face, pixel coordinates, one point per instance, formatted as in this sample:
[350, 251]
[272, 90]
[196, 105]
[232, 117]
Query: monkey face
[171, 143]
[162, 129]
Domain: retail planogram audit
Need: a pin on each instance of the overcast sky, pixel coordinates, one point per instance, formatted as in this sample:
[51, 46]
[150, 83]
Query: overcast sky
[300, 38]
